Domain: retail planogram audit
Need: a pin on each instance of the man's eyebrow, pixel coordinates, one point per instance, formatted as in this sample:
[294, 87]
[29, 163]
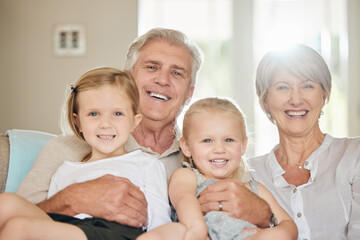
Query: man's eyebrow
[151, 61]
[179, 68]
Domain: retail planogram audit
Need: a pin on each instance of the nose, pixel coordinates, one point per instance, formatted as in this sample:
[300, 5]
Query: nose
[105, 122]
[219, 147]
[163, 77]
[296, 97]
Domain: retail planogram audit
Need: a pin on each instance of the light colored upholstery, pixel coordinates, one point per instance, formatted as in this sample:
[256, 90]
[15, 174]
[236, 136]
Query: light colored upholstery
[25, 146]
[18, 151]
[4, 160]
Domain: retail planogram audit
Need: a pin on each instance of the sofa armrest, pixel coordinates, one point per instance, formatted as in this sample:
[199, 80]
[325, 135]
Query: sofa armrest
[4, 160]
[25, 146]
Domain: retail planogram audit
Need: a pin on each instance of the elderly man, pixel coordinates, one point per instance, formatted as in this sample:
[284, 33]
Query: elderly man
[165, 65]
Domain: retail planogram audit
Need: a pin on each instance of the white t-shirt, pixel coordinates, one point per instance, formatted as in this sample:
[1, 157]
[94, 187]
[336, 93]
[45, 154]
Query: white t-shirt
[328, 206]
[142, 169]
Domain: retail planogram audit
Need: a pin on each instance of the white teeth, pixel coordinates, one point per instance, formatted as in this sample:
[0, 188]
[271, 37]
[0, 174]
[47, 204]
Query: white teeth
[218, 161]
[107, 137]
[159, 96]
[302, 113]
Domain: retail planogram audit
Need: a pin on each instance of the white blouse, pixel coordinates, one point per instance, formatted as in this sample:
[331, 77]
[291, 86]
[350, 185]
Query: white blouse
[328, 206]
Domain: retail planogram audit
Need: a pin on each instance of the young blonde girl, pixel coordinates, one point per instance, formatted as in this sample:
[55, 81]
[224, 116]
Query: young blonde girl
[102, 109]
[213, 143]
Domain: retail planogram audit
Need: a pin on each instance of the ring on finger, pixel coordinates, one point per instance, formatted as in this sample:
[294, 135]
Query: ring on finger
[220, 206]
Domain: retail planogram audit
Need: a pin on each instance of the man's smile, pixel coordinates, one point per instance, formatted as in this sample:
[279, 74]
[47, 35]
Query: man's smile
[158, 96]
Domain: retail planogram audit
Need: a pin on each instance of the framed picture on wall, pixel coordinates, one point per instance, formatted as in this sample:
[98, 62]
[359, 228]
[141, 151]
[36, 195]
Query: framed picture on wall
[69, 40]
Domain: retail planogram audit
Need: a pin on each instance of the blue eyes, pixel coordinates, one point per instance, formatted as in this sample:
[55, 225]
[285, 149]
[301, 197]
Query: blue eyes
[177, 73]
[226, 140]
[151, 67]
[282, 88]
[94, 114]
[154, 68]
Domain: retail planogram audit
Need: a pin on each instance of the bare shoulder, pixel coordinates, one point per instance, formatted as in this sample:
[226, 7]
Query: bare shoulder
[183, 174]
[182, 181]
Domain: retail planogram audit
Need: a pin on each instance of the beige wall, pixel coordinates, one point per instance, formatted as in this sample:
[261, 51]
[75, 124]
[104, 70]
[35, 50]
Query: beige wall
[33, 80]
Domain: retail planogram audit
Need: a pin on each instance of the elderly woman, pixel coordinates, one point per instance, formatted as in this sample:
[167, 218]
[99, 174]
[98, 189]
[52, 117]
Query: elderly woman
[314, 176]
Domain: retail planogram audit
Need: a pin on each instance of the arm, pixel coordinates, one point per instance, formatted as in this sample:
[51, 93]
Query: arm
[285, 230]
[237, 201]
[119, 199]
[36, 184]
[182, 192]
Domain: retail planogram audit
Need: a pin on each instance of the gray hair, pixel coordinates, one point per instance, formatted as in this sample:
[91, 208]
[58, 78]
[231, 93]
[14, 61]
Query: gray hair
[301, 61]
[174, 37]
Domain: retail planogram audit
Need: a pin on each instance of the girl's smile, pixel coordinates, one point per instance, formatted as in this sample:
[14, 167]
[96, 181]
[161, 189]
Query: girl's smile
[215, 143]
[106, 120]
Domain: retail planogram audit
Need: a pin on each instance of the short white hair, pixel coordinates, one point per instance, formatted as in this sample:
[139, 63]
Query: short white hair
[301, 61]
[174, 37]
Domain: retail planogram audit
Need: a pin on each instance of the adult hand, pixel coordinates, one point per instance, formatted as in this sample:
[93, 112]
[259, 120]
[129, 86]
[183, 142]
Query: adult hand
[237, 201]
[108, 197]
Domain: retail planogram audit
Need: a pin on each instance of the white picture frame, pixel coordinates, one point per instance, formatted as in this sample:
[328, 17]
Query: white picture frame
[69, 40]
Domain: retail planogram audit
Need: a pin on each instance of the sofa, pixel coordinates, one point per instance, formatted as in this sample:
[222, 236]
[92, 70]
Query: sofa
[18, 151]
[4, 160]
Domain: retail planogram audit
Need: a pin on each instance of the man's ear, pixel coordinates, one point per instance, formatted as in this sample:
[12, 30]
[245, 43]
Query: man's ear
[191, 92]
[77, 122]
[185, 147]
[189, 96]
[137, 120]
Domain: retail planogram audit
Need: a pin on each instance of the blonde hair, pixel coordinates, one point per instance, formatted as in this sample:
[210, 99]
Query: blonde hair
[221, 106]
[94, 79]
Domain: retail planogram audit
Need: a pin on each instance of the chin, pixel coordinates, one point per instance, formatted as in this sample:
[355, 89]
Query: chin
[158, 115]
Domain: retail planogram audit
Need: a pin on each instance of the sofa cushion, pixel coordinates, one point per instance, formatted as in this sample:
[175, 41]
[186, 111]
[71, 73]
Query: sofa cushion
[25, 146]
[4, 160]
